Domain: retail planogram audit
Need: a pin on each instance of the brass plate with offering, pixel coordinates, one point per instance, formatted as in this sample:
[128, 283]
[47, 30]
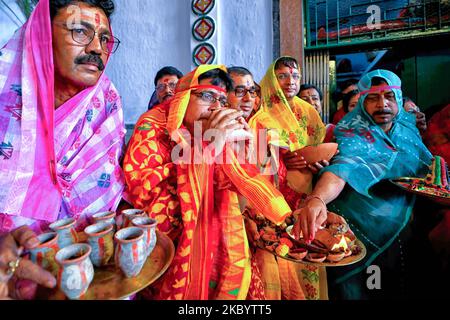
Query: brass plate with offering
[334, 245]
[110, 283]
[420, 187]
[435, 186]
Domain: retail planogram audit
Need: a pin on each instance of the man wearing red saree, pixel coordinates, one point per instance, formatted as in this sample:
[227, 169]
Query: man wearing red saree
[197, 203]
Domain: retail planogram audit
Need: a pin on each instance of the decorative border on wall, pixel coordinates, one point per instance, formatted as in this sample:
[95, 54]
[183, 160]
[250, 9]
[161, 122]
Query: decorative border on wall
[204, 34]
[204, 53]
[202, 7]
[203, 29]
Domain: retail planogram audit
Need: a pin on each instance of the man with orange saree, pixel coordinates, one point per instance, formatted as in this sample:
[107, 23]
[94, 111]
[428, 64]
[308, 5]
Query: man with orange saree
[291, 124]
[194, 199]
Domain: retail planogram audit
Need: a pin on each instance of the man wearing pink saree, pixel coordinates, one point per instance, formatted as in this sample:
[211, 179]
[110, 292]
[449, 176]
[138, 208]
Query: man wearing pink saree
[61, 120]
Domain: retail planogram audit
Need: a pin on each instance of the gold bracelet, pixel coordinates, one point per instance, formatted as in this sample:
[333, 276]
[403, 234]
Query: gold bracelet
[315, 197]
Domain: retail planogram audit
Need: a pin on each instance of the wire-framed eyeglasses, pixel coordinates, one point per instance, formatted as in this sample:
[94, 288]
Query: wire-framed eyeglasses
[84, 35]
[210, 99]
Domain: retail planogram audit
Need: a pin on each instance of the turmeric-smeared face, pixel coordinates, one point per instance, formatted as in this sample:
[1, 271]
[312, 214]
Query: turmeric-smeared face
[289, 81]
[77, 63]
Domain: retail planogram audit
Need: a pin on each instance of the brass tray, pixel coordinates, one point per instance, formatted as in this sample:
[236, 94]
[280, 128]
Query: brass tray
[344, 262]
[110, 283]
[440, 196]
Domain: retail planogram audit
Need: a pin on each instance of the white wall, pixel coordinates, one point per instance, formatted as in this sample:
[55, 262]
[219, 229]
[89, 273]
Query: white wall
[155, 33]
[247, 34]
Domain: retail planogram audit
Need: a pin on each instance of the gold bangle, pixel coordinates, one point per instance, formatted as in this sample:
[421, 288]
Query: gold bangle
[315, 197]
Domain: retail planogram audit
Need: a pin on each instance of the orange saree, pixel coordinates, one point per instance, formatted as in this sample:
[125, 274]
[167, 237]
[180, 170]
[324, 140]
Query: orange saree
[196, 204]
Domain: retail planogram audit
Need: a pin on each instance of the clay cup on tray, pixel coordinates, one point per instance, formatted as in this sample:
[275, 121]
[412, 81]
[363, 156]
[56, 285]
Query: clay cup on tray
[100, 238]
[76, 270]
[131, 251]
[106, 216]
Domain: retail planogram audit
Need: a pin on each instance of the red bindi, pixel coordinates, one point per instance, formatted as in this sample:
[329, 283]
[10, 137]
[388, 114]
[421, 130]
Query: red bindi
[97, 19]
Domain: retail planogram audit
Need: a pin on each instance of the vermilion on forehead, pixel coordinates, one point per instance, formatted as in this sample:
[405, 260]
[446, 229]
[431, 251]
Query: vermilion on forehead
[285, 69]
[94, 18]
[84, 13]
[381, 89]
[168, 78]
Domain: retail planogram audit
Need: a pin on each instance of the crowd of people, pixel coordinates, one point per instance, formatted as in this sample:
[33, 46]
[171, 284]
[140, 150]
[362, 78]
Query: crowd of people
[64, 155]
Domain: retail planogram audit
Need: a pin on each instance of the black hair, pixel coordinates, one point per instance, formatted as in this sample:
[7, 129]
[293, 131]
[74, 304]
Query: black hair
[376, 81]
[307, 86]
[346, 99]
[106, 5]
[286, 61]
[406, 99]
[168, 71]
[218, 77]
[347, 83]
[241, 71]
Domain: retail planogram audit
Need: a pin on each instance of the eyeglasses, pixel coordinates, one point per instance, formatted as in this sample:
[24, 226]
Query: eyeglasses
[163, 86]
[85, 35]
[242, 92]
[285, 76]
[208, 97]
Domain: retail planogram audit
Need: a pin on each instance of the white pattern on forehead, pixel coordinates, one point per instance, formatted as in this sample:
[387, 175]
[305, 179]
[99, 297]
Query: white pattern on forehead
[76, 13]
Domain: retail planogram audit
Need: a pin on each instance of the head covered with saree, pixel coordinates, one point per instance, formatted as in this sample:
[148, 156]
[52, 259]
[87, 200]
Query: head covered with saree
[368, 155]
[54, 163]
[371, 150]
[292, 125]
[212, 257]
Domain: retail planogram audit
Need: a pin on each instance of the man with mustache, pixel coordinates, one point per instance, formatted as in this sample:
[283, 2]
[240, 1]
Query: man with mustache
[378, 141]
[166, 81]
[61, 121]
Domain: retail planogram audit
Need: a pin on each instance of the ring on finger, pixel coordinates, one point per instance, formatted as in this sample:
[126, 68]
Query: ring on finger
[12, 267]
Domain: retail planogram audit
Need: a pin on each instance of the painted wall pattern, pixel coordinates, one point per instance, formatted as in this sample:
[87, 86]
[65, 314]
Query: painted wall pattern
[204, 36]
